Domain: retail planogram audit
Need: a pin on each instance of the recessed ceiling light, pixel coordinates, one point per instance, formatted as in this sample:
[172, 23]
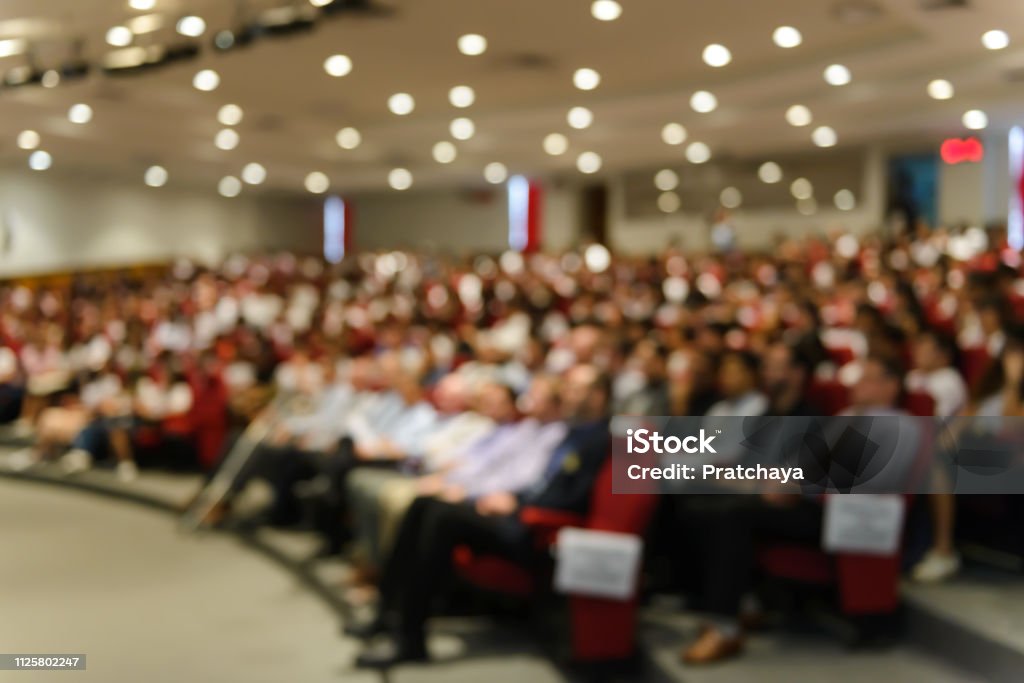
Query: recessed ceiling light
[975, 119]
[495, 172]
[606, 10]
[940, 89]
[586, 79]
[40, 160]
[12, 46]
[348, 138]
[401, 103]
[666, 179]
[703, 102]
[206, 80]
[254, 173]
[556, 144]
[320, 3]
[787, 37]
[338, 65]
[444, 152]
[145, 23]
[472, 44]
[824, 136]
[155, 176]
[801, 188]
[226, 139]
[28, 139]
[798, 115]
[400, 179]
[995, 40]
[845, 201]
[50, 79]
[588, 162]
[673, 134]
[580, 117]
[119, 36]
[697, 153]
[191, 26]
[730, 198]
[837, 74]
[462, 128]
[669, 202]
[462, 96]
[142, 5]
[716, 55]
[229, 186]
[230, 115]
[80, 113]
[769, 172]
[317, 182]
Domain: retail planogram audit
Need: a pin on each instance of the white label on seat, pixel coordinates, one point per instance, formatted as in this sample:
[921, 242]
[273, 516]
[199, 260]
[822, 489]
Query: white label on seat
[863, 523]
[597, 563]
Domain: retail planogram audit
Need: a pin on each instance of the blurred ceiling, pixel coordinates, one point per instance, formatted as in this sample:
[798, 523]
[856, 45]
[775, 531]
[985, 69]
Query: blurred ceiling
[649, 60]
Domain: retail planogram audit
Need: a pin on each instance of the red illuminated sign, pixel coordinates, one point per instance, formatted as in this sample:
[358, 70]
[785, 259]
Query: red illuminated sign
[958, 151]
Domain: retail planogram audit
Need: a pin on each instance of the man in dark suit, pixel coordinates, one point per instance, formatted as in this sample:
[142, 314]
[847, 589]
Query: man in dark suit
[420, 563]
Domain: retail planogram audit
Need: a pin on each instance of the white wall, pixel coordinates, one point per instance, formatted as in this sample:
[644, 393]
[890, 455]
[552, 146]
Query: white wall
[56, 223]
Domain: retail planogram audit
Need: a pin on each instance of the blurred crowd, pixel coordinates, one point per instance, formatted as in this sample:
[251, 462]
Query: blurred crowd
[439, 396]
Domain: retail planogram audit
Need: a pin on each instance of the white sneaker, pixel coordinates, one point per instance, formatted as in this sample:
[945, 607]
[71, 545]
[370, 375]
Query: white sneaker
[127, 471]
[19, 461]
[936, 567]
[76, 460]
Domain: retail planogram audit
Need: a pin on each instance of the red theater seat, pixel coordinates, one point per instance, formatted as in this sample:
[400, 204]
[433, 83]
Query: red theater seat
[602, 629]
[975, 362]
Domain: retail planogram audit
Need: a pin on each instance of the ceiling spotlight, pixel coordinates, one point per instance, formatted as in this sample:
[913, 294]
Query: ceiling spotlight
[798, 115]
[462, 128]
[837, 74]
[845, 201]
[254, 173]
[28, 139]
[703, 102]
[80, 113]
[145, 23]
[40, 160]
[666, 179]
[717, 55]
[731, 198]
[824, 136]
[586, 79]
[787, 37]
[461, 96]
[229, 186]
[940, 89]
[606, 10]
[673, 134]
[769, 172]
[206, 80]
[348, 138]
[191, 26]
[975, 119]
[669, 202]
[142, 5]
[401, 103]
[337, 65]
[495, 172]
[400, 179]
[444, 152]
[588, 162]
[472, 44]
[50, 79]
[995, 40]
[12, 46]
[801, 188]
[230, 115]
[697, 153]
[155, 176]
[119, 36]
[317, 182]
[580, 117]
[556, 144]
[226, 139]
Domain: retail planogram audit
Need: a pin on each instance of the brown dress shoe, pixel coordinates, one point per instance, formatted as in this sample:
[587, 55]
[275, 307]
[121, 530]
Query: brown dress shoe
[711, 646]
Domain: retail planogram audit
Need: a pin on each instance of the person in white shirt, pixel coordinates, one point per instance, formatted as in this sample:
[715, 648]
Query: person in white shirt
[738, 381]
[934, 373]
